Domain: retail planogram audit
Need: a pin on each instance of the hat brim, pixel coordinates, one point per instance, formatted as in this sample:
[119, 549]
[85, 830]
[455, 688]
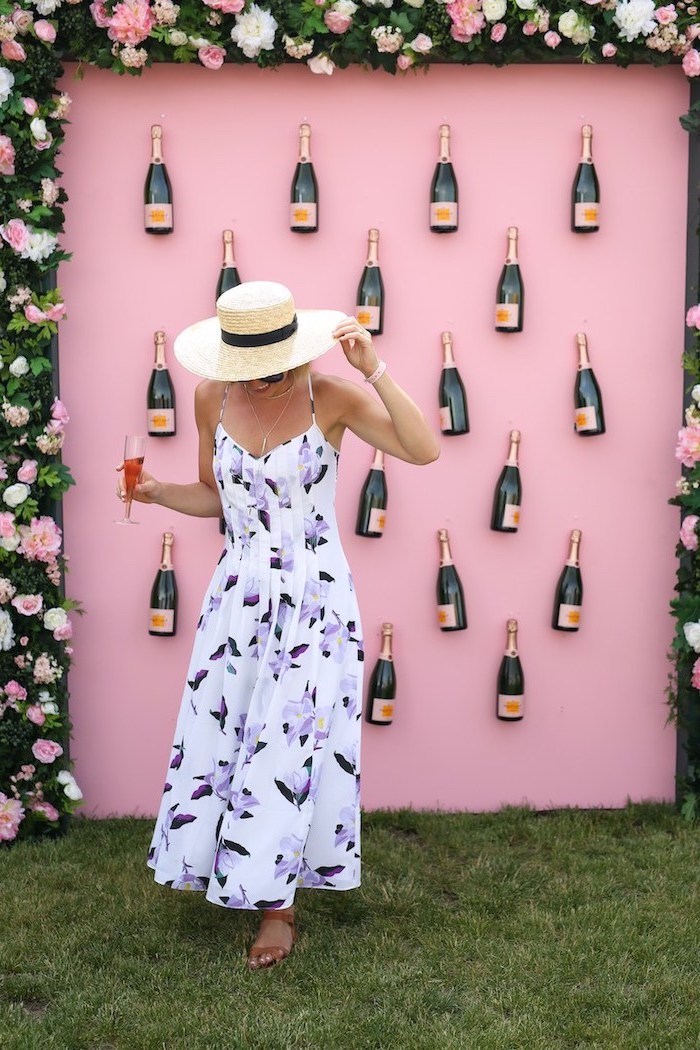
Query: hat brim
[200, 349]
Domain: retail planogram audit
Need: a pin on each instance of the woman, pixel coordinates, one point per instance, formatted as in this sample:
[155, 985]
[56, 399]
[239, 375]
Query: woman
[262, 790]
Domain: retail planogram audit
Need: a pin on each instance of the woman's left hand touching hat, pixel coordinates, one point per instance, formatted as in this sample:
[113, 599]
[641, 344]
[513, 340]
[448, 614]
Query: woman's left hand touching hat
[357, 345]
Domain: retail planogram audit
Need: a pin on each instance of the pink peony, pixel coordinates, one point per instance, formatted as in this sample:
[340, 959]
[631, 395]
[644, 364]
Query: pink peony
[7, 155]
[552, 39]
[692, 318]
[691, 63]
[15, 690]
[22, 19]
[529, 28]
[12, 51]
[321, 64]
[608, 50]
[695, 678]
[467, 19]
[337, 22]
[43, 143]
[27, 472]
[498, 31]
[45, 808]
[29, 105]
[35, 714]
[28, 604]
[405, 61]
[59, 411]
[45, 31]
[34, 314]
[422, 44]
[56, 311]
[688, 447]
[11, 814]
[16, 234]
[211, 57]
[665, 15]
[227, 7]
[46, 751]
[688, 535]
[63, 632]
[99, 14]
[7, 524]
[131, 22]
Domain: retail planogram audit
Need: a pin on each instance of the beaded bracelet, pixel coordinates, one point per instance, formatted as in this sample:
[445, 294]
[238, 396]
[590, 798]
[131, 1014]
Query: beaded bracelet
[377, 374]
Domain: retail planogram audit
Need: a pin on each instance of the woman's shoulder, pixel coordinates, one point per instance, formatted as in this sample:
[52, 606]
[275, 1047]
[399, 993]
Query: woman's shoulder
[208, 395]
[334, 390]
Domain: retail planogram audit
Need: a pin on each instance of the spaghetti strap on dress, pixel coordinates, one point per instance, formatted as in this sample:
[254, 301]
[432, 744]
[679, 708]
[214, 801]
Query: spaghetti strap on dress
[262, 790]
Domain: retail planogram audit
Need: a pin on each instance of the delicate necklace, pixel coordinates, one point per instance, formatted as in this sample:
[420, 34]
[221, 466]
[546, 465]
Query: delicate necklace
[273, 397]
[266, 436]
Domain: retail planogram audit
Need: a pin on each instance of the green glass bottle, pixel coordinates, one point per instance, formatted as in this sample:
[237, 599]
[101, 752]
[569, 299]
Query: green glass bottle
[510, 293]
[510, 688]
[585, 193]
[157, 191]
[370, 292]
[452, 610]
[304, 197]
[505, 513]
[444, 194]
[381, 693]
[452, 397]
[568, 598]
[588, 400]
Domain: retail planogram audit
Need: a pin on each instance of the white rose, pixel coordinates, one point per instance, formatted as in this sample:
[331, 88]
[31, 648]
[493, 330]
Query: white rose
[7, 634]
[3, 282]
[38, 129]
[414, 3]
[16, 494]
[692, 635]
[10, 543]
[55, 617]
[634, 17]
[64, 776]
[199, 41]
[695, 393]
[19, 366]
[178, 38]
[7, 79]
[345, 7]
[526, 5]
[47, 7]
[321, 64]
[583, 34]
[48, 706]
[567, 23]
[254, 31]
[40, 246]
[493, 9]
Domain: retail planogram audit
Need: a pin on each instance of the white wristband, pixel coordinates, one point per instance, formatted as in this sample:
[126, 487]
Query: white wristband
[377, 374]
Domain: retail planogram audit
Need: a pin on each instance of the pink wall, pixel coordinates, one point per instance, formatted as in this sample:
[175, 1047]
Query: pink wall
[594, 730]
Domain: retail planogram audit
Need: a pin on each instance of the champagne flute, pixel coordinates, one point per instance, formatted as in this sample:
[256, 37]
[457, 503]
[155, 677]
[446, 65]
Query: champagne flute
[134, 451]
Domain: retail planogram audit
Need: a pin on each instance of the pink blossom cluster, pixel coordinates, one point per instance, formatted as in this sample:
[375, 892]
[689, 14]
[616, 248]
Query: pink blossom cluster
[467, 19]
[688, 446]
[130, 22]
[53, 312]
[46, 670]
[227, 7]
[40, 540]
[11, 815]
[7, 155]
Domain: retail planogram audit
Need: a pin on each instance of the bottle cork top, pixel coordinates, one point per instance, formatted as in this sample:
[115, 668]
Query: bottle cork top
[587, 131]
[512, 625]
[305, 129]
[443, 534]
[228, 236]
[387, 628]
[515, 435]
[576, 535]
[168, 538]
[446, 337]
[156, 131]
[580, 337]
[159, 337]
[373, 234]
[512, 231]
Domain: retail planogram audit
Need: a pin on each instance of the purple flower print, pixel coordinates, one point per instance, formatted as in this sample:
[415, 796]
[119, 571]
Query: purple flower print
[283, 492]
[315, 594]
[318, 876]
[244, 527]
[228, 856]
[348, 689]
[240, 803]
[284, 554]
[257, 488]
[345, 829]
[287, 862]
[335, 640]
[281, 663]
[252, 591]
[314, 531]
[236, 463]
[239, 900]
[298, 718]
[187, 881]
[347, 760]
[322, 725]
[217, 471]
[213, 604]
[239, 729]
[218, 781]
[260, 639]
[295, 786]
[308, 464]
[251, 740]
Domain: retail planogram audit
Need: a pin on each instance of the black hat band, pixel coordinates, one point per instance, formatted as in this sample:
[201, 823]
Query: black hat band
[260, 338]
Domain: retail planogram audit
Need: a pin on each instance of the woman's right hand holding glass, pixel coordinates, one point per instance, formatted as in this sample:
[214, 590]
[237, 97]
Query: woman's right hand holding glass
[147, 488]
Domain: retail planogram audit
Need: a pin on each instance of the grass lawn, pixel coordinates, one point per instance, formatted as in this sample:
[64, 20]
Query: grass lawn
[477, 931]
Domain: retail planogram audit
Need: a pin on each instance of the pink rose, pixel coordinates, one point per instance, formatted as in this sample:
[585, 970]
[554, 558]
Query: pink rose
[27, 472]
[321, 64]
[552, 39]
[15, 690]
[691, 63]
[7, 155]
[59, 411]
[49, 811]
[16, 234]
[688, 535]
[45, 31]
[211, 57]
[337, 22]
[227, 7]
[11, 814]
[692, 31]
[529, 29]
[12, 51]
[131, 22]
[692, 318]
[43, 143]
[34, 314]
[99, 14]
[422, 44]
[63, 632]
[30, 106]
[24, 640]
[35, 714]
[22, 19]
[608, 50]
[498, 31]
[665, 15]
[56, 311]
[46, 751]
[28, 604]
[405, 61]
[7, 524]
[467, 19]
[688, 447]
[695, 678]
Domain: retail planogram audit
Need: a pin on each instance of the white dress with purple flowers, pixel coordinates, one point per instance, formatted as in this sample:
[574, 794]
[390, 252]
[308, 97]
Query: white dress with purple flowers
[262, 792]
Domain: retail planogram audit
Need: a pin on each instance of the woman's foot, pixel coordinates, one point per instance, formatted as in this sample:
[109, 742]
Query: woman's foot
[275, 939]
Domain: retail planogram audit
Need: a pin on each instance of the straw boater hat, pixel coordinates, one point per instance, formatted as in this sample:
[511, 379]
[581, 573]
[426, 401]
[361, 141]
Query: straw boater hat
[257, 332]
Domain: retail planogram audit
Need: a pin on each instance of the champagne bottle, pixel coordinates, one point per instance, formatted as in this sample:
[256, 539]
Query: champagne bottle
[161, 394]
[569, 595]
[511, 682]
[505, 515]
[452, 612]
[454, 417]
[588, 402]
[163, 614]
[304, 209]
[157, 192]
[370, 293]
[443, 190]
[371, 513]
[510, 292]
[382, 683]
[585, 194]
[228, 277]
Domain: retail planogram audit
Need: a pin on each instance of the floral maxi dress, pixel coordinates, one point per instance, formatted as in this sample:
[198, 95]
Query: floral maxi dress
[262, 792]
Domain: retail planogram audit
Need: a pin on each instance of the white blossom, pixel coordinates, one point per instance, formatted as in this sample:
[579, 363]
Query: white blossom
[55, 617]
[38, 129]
[254, 31]
[16, 494]
[634, 17]
[7, 633]
[691, 631]
[19, 367]
[493, 10]
[7, 79]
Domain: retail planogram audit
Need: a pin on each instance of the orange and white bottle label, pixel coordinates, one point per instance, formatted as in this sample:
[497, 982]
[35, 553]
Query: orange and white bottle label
[382, 710]
[368, 316]
[446, 616]
[377, 520]
[162, 621]
[158, 216]
[443, 213]
[303, 214]
[510, 706]
[507, 315]
[445, 418]
[586, 214]
[586, 418]
[161, 421]
[569, 616]
[511, 515]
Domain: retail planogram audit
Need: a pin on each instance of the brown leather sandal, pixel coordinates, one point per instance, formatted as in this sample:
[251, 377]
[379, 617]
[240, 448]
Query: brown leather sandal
[257, 956]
